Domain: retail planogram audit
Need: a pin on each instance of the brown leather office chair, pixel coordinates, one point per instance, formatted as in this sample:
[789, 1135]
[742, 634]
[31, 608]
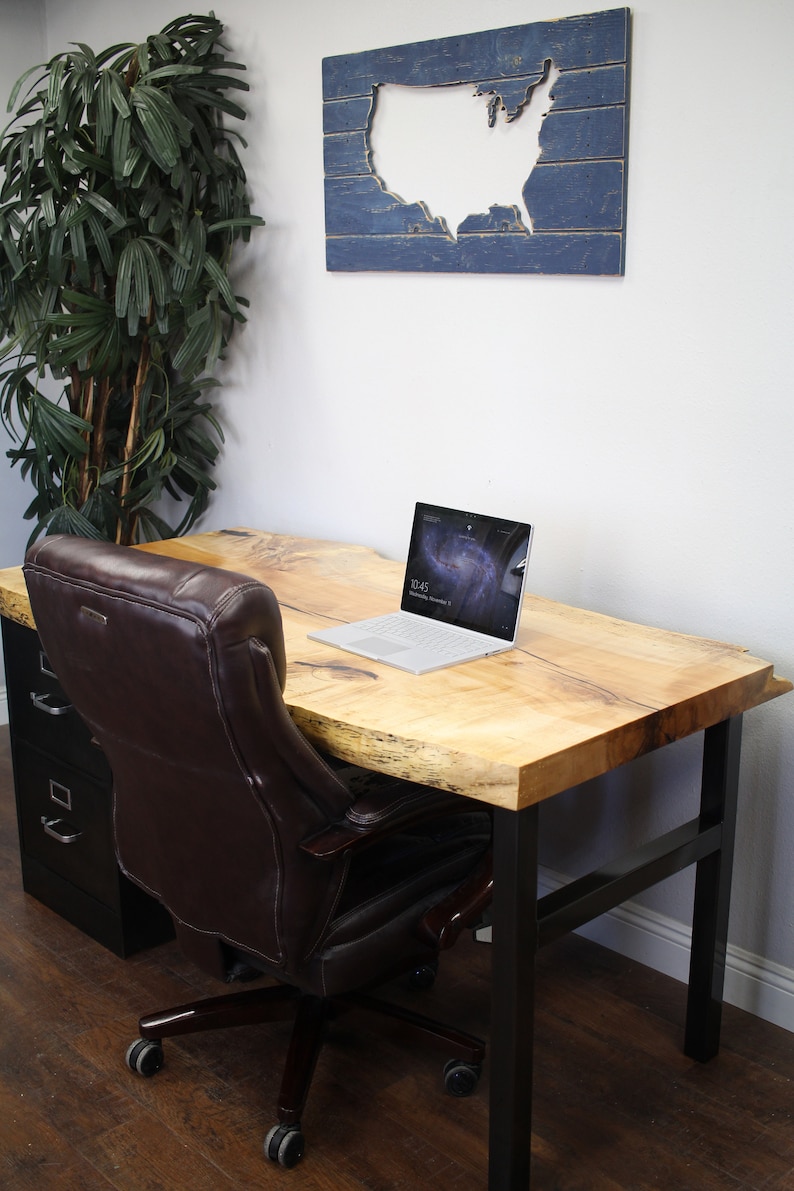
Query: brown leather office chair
[266, 856]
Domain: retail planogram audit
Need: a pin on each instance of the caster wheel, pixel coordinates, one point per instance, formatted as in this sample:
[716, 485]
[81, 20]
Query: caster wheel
[423, 976]
[145, 1057]
[284, 1144]
[461, 1079]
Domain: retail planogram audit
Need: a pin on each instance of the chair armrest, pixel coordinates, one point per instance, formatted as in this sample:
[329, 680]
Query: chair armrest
[385, 806]
[463, 909]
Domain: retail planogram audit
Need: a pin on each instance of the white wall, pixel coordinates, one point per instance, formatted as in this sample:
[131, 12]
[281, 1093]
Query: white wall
[643, 423]
[21, 45]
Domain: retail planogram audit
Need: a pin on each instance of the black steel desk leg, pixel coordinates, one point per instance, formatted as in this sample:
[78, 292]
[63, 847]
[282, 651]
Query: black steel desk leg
[514, 946]
[719, 796]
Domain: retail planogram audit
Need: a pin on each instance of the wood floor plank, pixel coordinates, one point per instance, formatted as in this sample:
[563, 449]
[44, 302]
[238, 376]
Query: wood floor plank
[143, 1154]
[35, 1155]
[618, 1107]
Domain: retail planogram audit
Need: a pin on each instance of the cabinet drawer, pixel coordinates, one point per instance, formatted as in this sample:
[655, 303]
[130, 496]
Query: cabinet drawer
[39, 710]
[66, 823]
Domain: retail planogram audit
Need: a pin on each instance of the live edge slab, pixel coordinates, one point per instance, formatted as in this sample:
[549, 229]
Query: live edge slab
[581, 693]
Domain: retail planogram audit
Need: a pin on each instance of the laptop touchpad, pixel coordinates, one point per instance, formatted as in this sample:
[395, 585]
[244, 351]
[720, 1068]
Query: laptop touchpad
[378, 645]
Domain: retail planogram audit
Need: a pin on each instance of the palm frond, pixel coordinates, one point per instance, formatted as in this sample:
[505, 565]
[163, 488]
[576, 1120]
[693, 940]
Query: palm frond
[121, 199]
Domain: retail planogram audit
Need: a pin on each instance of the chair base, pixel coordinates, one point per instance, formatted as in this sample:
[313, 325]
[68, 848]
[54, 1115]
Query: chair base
[311, 1014]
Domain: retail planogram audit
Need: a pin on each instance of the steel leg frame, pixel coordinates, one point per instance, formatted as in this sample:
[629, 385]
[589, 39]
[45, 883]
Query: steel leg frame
[718, 804]
[518, 920]
[514, 946]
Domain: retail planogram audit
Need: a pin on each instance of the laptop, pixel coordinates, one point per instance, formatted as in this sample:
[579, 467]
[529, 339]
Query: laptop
[462, 594]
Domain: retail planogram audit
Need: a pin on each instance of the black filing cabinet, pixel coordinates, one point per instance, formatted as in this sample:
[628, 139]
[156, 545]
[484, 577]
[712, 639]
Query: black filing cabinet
[64, 808]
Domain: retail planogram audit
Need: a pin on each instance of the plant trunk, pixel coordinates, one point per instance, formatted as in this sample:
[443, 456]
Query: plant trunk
[98, 449]
[125, 527]
[76, 390]
[86, 410]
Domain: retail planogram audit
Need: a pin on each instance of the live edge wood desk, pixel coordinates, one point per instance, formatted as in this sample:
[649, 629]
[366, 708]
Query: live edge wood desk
[580, 695]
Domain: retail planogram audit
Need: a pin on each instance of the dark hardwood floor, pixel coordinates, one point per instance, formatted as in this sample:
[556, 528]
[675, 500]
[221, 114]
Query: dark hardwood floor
[618, 1106]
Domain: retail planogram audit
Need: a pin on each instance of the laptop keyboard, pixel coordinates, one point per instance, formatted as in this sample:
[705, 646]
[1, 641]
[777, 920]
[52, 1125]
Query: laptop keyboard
[431, 636]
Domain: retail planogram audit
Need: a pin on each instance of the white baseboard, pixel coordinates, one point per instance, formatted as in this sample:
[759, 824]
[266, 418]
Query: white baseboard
[759, 985]
[3, 706]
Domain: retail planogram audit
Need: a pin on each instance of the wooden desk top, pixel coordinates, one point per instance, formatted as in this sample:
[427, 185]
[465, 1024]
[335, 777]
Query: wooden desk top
[580, 694]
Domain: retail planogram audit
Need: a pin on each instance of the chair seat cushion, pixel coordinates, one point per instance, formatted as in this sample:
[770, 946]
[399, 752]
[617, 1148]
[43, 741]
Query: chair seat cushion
[390, 886]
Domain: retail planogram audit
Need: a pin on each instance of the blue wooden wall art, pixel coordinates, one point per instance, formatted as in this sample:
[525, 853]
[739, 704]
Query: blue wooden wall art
[569, 210]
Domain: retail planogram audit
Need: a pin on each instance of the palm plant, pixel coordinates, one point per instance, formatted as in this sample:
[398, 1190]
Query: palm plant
[122, 198]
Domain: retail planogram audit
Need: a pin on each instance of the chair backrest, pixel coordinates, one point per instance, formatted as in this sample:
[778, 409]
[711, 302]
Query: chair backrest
[178, 669]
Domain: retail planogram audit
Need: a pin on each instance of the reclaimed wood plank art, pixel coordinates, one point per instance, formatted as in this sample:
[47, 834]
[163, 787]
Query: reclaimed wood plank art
[568, 216]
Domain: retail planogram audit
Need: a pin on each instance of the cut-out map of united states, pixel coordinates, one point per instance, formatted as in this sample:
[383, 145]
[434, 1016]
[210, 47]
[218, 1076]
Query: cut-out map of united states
[502, 151]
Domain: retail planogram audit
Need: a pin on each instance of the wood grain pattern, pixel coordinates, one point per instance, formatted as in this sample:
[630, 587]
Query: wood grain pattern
[580, 694]
[586, 127]
[14, 602]
[575, 43]
[542, 253]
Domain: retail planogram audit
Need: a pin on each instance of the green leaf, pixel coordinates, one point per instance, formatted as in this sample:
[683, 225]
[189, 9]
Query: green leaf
[112, 170]
[173, 70]
[162, 122]
[55, 85]
[195, 247]
[219, 278]
[121, 146]
[197, 344]
[208, 98]
[122, 51]
[124, 278]
[142, 57]
[100, 510]
[48, 208]
[90, 302]
[61, 430]
[66, 519]
[18, 85]
[107, 353]
[119, 95]
[156, 273]
[106, 208]
[56, 263]
[137, 168]
[104, 111]
[79, 341]
[236, 224]
[101, 243]
[52, 167]
[79, 254]
[154, 527]
[10, 248]
[151, 449]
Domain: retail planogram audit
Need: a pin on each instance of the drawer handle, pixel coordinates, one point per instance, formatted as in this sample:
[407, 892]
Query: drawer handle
[41, 704]
[44, 665]
[59, 829]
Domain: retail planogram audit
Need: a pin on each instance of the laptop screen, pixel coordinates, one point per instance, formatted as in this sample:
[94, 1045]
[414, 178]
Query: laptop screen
[467, 570]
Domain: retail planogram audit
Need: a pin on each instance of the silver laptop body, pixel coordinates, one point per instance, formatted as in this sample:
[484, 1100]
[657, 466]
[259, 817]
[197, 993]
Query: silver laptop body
[462, 594]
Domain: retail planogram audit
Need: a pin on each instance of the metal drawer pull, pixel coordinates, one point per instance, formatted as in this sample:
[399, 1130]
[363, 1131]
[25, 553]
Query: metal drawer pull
[60, 794]
[61, 830]
[40, 702]
[44, 665]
